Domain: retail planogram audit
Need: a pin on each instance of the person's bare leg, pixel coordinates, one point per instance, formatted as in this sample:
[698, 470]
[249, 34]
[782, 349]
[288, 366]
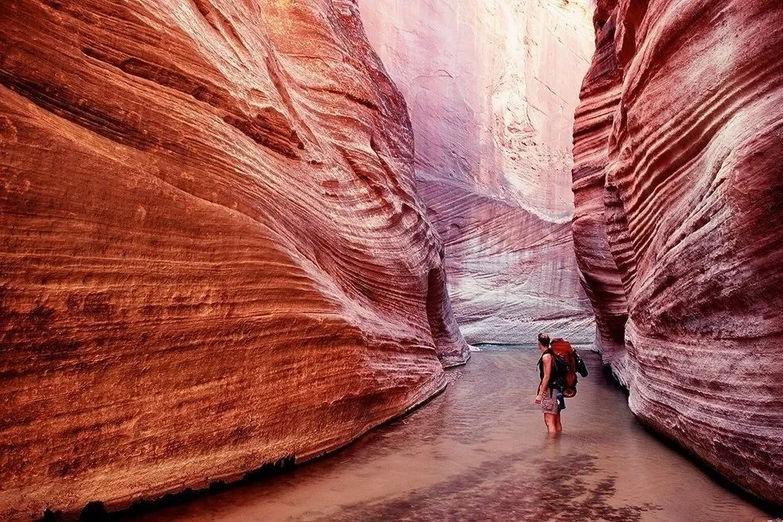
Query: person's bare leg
[558, 425]
[550, 419]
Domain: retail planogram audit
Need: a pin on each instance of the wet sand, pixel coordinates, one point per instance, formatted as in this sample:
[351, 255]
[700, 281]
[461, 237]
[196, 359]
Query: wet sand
[479, 451]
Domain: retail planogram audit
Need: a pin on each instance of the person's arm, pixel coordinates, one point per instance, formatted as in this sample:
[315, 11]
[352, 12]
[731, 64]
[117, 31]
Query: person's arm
[542, 387]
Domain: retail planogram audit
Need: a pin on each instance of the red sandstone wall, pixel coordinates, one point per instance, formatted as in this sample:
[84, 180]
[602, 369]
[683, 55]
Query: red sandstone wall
[213, 255]
[492, 86]
[679, 208]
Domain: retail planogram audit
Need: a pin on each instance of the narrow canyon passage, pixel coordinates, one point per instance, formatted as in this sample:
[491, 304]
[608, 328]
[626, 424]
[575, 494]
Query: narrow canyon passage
[235, 234]
[491, 87]
[478, 452]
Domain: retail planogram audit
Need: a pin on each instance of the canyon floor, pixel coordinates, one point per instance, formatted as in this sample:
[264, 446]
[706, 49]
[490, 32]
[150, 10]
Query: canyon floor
[479, 451]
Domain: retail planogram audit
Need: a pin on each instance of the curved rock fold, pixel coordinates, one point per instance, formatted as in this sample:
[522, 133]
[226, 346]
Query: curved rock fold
[492, 86]
[213, 253]
[679, 207]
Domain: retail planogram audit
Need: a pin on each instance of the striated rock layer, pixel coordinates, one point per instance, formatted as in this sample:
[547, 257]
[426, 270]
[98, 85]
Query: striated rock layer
[213, 256]
[492, 86]
[679, 207]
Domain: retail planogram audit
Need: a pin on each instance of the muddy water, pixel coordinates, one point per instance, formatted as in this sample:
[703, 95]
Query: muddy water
[479, 452]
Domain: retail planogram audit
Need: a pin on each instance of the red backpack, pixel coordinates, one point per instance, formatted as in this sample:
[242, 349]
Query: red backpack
[567, 364]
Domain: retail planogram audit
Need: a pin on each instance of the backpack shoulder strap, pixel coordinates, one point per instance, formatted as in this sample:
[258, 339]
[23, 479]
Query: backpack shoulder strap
[554, 357]
[540, 363]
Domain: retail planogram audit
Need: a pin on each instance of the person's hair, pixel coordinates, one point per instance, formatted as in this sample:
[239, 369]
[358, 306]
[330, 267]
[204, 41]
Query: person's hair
[543, 339]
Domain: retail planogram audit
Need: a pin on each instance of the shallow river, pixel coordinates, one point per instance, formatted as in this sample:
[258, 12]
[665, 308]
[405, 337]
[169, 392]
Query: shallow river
[479, 451]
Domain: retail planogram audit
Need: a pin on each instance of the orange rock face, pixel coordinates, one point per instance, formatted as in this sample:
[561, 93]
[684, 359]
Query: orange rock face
[213, 256]
[679, 208]
[491, 87]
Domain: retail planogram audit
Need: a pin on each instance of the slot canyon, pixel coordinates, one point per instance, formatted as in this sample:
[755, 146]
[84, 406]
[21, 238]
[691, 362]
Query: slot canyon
[240, 235]
[493, 113]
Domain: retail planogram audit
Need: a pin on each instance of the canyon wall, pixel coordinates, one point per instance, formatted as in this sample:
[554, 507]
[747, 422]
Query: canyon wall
[213, 256]
[491, 87]
[679, 211]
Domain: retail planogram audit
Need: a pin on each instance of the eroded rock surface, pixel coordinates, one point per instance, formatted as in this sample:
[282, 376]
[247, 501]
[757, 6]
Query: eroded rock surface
[679, 212]
[492, 86]
[213, 256]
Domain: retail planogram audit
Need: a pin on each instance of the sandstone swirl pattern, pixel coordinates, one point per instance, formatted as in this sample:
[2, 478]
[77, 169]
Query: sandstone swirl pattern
[213, 256]
[679, 212]
[491, 87]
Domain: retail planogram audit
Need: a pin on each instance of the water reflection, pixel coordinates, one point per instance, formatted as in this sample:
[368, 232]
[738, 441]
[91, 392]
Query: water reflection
[480, 451]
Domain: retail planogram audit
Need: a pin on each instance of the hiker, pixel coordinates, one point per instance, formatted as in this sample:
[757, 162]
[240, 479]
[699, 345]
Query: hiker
[557, 367]
[548, 395]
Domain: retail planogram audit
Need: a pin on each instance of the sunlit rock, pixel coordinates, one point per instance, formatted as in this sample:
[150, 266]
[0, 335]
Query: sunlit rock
[213, 256]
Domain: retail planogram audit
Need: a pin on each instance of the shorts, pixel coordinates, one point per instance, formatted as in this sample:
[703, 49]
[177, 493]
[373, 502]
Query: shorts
[553, 402]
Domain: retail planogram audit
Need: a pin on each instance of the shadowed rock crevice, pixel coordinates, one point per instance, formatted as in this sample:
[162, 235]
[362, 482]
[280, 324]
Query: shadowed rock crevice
[442, 326]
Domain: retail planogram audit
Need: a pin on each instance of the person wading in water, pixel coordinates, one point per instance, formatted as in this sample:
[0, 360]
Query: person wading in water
[549, 394]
